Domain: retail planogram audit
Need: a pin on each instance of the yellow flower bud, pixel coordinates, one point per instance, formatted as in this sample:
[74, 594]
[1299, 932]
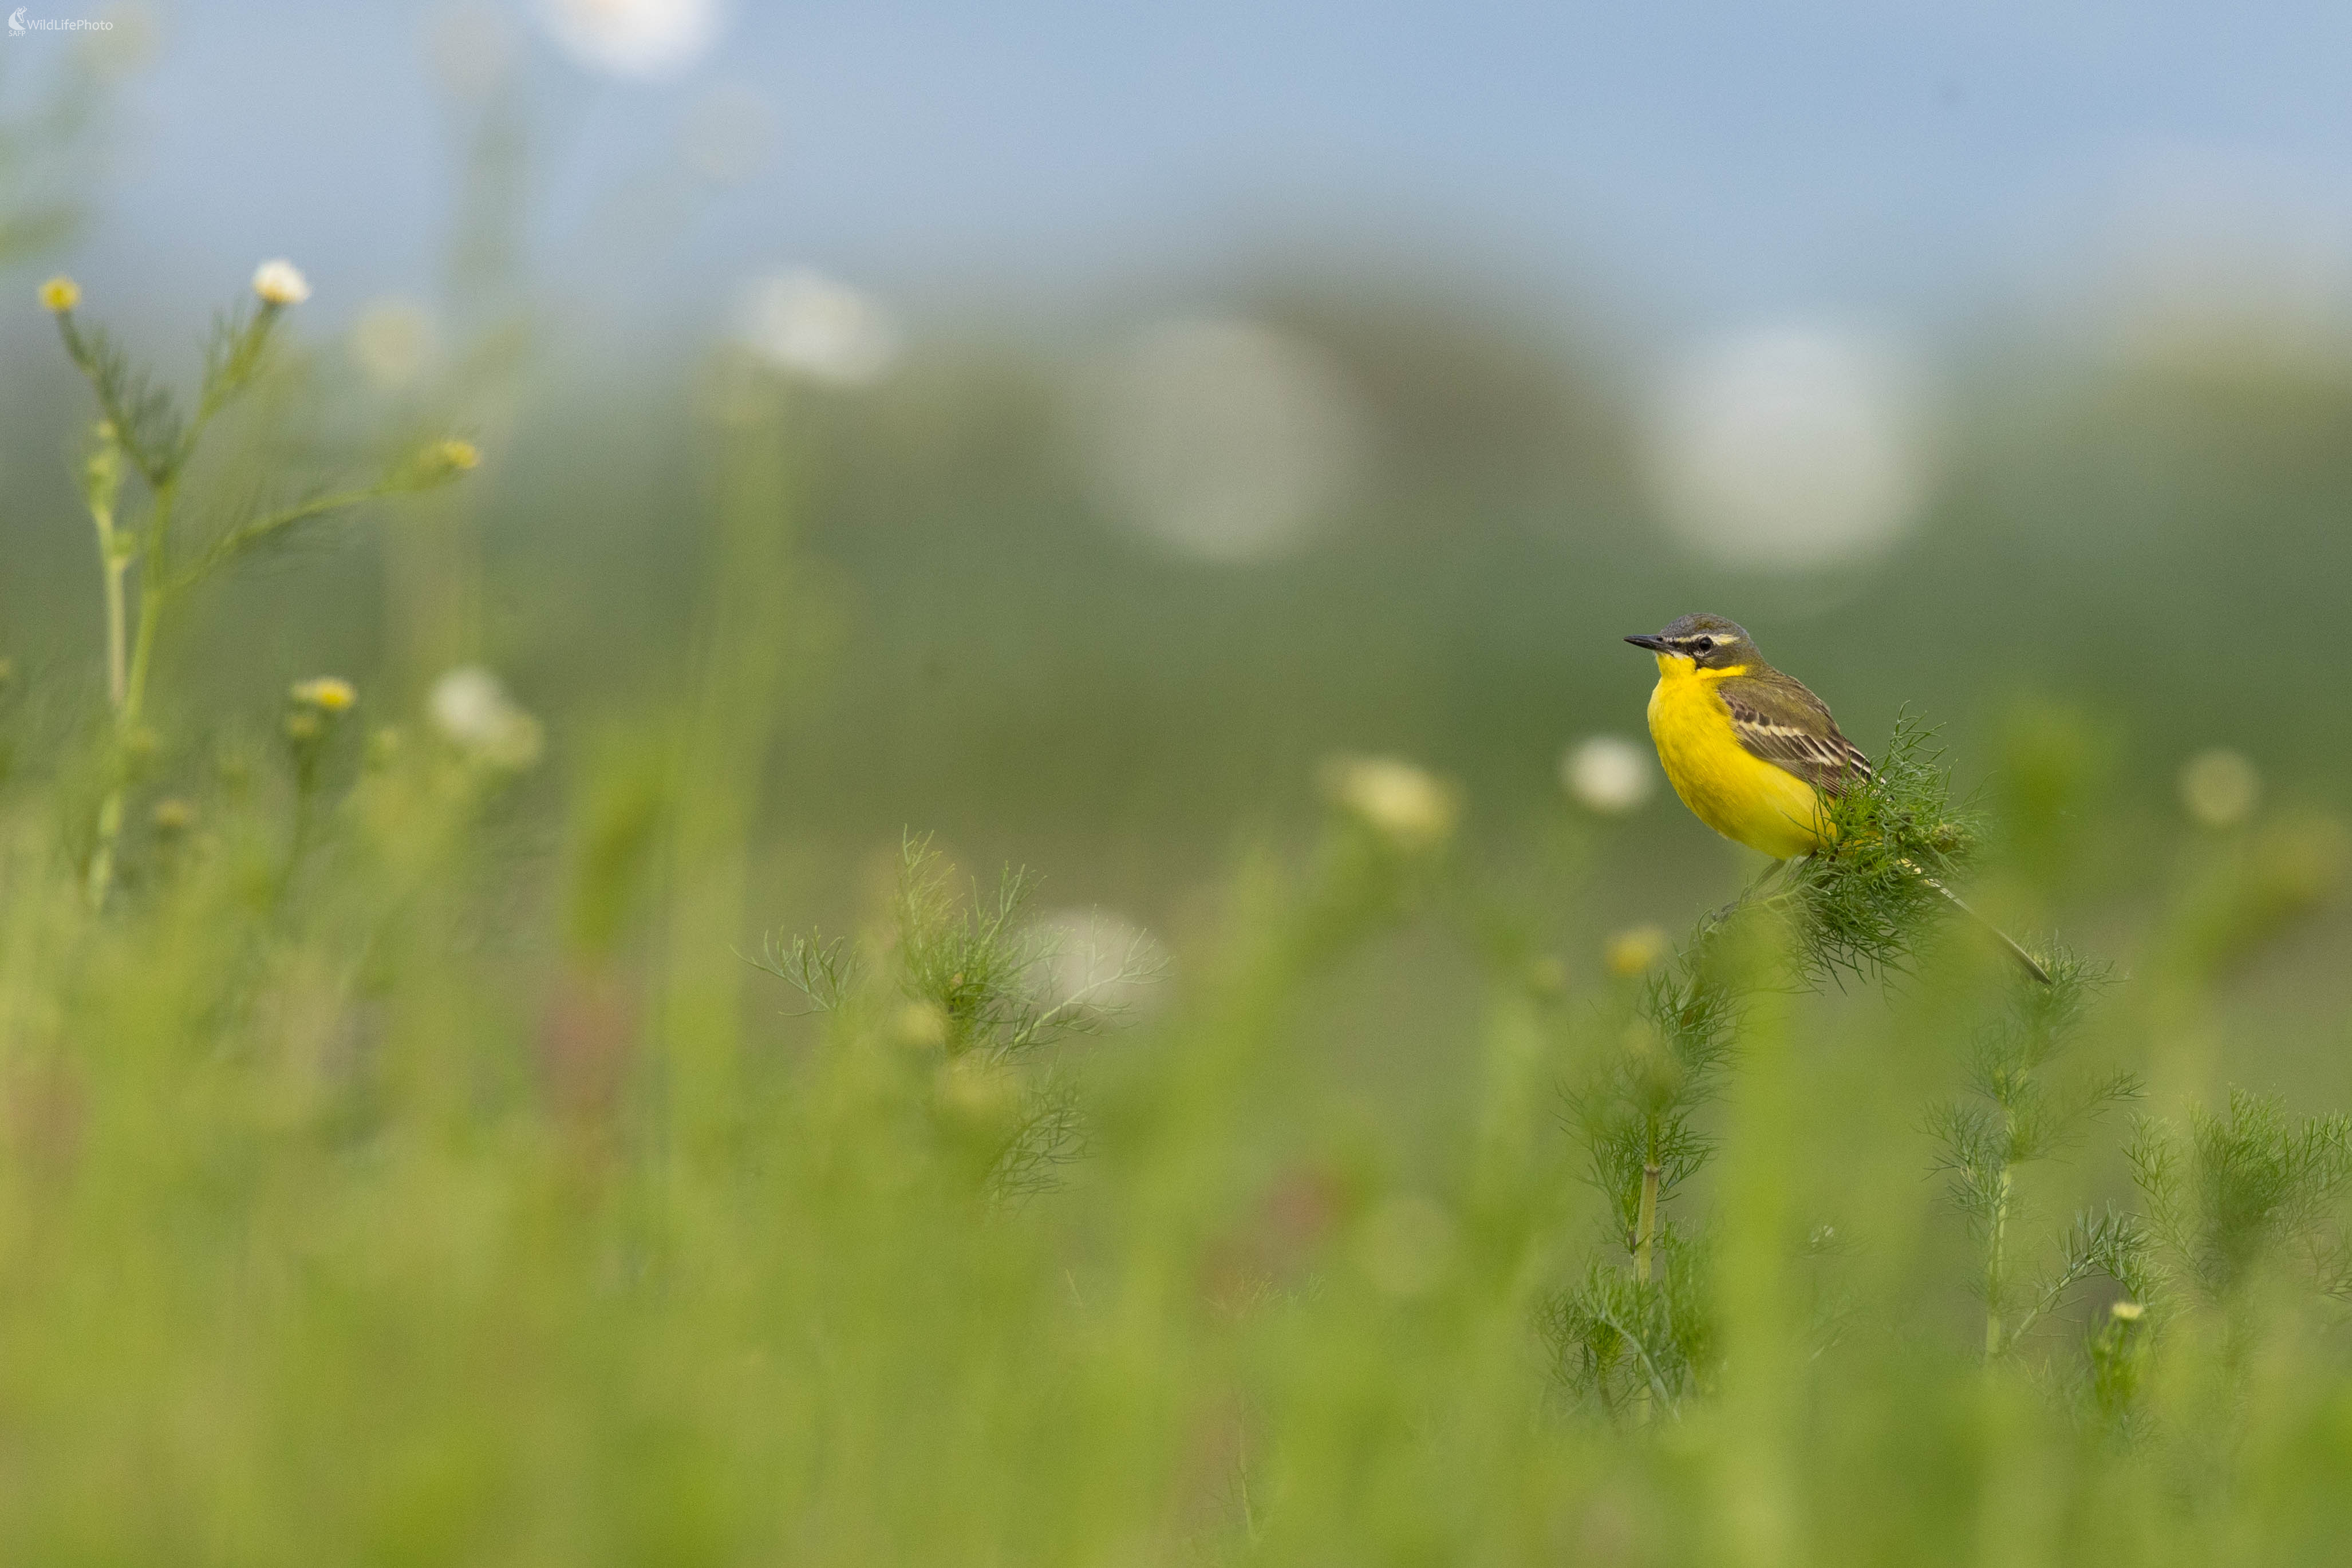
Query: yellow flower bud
[1632, 951]
[327, 693]
[61, 293]
[436, 462]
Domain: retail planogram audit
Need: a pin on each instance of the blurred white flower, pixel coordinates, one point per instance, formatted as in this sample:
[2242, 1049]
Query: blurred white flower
[394, 343]
[1406, 1246]
[280, 282]
[1226, 441]
[471, 709]
[1789, 448]
[1093, 958]
[808, 325]
[1400, 802]
[2220, 788]
[636, 38]
[1608, 774]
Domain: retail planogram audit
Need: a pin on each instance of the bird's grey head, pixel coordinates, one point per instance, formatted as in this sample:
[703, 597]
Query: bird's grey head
[1710, 642]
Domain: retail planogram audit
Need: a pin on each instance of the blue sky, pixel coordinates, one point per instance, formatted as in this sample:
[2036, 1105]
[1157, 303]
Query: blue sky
[1708, 163]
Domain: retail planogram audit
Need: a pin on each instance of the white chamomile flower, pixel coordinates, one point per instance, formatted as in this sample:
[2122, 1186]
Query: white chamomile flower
[280, 282]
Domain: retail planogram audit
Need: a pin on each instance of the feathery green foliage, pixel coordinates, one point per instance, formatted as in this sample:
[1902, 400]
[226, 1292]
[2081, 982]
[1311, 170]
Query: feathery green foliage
[143, 422]
[987, 989]
[1864, 906]
[2227, 1193]
[397, 1166]
[1635, 1344]
[2012, 1117]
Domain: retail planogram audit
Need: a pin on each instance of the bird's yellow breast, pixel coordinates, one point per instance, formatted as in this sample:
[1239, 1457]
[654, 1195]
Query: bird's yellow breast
[1732, 790]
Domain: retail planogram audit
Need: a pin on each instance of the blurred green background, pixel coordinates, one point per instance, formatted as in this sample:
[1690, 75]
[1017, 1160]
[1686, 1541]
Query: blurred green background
[1092, 575]
[1067, 436]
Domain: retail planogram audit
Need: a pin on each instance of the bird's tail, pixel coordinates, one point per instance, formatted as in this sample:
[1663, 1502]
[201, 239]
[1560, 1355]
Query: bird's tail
[2032, 965]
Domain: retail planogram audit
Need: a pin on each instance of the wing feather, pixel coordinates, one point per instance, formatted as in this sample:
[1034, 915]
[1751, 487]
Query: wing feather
[1788, 726]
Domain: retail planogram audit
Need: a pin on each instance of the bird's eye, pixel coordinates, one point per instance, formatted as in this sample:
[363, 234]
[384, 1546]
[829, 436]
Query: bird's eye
[1704, 641]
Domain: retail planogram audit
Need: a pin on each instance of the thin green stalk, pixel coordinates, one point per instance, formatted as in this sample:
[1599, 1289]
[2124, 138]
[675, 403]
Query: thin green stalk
[117, 625]
[129, 694]
[1993, 1265]
[113, 563]
[263, 529]
[151, 595]
[1645, 1221]
[306, 792]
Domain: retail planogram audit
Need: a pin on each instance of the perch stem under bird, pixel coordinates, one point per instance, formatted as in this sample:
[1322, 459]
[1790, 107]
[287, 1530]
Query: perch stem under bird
[1756, 756]
[2033, 966]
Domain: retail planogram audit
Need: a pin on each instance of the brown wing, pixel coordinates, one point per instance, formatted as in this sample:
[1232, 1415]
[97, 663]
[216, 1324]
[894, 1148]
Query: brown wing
[1788, 726]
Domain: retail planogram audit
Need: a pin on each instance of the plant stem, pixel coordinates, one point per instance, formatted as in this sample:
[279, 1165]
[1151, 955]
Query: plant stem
[127, 683]
[1645, 1221]
[113, 563]
[142, 655]
[1993, 1284]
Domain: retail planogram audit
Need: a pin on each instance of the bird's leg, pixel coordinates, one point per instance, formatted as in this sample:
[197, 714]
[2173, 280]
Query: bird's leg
[1765, 879]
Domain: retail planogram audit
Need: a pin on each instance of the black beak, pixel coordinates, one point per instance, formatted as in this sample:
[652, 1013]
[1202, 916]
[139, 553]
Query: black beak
[1654, 645]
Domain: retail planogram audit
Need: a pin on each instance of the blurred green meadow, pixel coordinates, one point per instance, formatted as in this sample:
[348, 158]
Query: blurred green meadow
[597, 1097]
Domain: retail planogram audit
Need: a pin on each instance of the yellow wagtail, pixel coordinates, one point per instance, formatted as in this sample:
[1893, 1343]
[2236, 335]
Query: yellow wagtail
[1753, 753]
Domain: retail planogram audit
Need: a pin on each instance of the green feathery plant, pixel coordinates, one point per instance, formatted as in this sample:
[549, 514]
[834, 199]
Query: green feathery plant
[989, 989]
[1860, 908]
[2012, 1117]
[2228, 1194]
[145, 433]
[1633, 1333]
[1636, 1330]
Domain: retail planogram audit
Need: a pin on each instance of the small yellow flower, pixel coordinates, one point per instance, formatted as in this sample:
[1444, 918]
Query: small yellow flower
[61, 293]
[280, 282]
[1634, 950]
[436, 462]
[2128, 1311]
[173, 815]
[327, 693]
